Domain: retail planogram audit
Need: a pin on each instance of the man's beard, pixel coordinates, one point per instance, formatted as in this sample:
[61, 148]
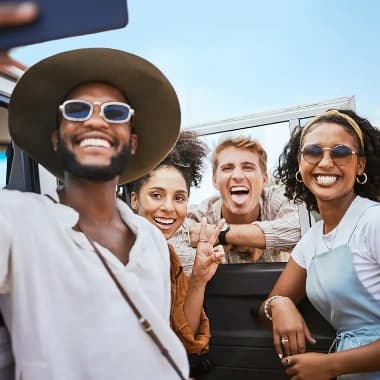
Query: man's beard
[92, 172]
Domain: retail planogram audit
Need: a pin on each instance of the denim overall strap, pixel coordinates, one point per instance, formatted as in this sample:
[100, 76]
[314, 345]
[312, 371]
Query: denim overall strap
[337, 293]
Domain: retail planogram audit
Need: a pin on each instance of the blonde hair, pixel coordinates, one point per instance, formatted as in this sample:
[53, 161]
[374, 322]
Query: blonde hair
[240, 142]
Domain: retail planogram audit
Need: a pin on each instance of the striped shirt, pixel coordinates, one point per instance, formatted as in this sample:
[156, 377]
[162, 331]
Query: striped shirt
[279, 221]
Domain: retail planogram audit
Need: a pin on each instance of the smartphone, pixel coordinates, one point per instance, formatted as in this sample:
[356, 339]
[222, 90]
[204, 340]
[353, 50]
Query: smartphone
[66, 18]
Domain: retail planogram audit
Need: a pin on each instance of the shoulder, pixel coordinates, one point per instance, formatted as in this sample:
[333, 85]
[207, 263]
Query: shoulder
[210, 207]
[306, 247]
[14, 202]
[368, 227]
[274, 195]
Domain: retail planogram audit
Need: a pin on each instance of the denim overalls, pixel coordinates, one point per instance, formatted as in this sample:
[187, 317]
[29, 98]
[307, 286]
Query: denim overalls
[337, 293]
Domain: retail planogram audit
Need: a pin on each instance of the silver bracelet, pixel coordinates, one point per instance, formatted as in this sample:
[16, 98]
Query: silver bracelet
[267, 304]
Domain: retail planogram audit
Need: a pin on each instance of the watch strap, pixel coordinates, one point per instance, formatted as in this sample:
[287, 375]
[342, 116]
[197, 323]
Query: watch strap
[222, 234]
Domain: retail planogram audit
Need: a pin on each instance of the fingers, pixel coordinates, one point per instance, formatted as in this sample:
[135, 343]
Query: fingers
[278, 345]
[17, 14]
[194, 235]
[203, 231]
[7, 62]
[287, 361]
[301, 344]
[219, 254]
[217, 230]
[308, 335]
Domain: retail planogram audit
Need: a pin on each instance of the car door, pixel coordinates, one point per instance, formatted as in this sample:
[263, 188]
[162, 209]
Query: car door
[241, 348]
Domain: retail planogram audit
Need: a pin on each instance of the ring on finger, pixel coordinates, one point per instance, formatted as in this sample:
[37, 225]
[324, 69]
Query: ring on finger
[284, 340]
[203, 241]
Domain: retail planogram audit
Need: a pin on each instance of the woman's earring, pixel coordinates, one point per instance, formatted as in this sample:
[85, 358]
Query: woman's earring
[362, 181]
[298, 177]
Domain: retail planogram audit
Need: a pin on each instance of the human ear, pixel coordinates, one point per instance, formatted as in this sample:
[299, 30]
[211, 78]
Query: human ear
[361, 165]
[214, 182]
[134, 201]
[265, 179]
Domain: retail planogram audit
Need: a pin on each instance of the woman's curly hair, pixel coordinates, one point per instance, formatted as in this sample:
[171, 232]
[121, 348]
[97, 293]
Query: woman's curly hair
[288, 160]
[186, 156]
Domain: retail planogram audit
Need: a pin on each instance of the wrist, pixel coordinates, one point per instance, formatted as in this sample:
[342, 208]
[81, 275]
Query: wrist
[269, 304]
[222, 234]
[196, 283]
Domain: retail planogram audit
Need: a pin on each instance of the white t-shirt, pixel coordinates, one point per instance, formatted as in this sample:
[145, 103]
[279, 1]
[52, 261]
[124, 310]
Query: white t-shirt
[66, 317]
[364, 243]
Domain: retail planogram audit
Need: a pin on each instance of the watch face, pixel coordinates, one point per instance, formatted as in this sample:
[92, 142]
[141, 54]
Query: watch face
[225, 228]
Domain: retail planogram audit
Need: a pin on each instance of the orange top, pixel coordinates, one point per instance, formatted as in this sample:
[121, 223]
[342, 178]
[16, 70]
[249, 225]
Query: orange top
[194, 344]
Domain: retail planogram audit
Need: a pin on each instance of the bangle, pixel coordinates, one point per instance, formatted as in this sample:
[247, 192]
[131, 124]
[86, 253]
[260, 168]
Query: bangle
[267, 304]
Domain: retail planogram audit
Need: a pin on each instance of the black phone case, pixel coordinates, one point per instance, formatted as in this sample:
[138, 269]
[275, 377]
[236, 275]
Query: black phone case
[59, 19]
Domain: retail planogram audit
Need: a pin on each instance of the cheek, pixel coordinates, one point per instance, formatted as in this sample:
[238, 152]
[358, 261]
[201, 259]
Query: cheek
[148, 209]
[181, 213]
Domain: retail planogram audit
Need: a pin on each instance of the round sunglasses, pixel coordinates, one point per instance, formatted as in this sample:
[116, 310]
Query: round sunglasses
[81, 110]
[340, 154]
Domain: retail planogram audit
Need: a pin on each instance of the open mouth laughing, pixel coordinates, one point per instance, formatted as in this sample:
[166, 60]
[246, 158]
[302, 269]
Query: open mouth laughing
[325, 180]
[164, 223]
[239, 194]
[95, 142]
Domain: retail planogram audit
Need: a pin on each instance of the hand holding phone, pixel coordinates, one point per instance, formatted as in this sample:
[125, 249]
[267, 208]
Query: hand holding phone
[57, 19]
[17, 13]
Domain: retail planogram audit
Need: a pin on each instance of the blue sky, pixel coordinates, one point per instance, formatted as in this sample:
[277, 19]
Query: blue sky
[233, 58]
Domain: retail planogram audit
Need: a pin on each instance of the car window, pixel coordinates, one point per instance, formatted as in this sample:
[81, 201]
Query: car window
[272, 129]
[264, 134]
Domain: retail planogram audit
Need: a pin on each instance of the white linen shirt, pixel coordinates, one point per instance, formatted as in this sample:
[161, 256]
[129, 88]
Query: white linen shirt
[66, 317]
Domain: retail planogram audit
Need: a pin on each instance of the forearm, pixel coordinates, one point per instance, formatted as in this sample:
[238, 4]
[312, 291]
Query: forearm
[193, 303]
[248, 235]
[356, 360]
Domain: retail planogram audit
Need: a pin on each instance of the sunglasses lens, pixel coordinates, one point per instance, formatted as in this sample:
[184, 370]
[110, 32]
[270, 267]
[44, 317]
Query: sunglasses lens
[312, 153]
[117, 112]
[77, 110]
[341, 154]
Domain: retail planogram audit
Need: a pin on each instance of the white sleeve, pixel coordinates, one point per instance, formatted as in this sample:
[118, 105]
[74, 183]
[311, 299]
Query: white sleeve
[297, 254]
[5, 249]
[372, 233]
[164, 258]
[305, 248]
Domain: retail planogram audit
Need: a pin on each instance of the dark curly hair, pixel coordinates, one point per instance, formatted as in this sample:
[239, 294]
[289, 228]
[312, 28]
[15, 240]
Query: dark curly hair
[288, 160]
[186, 156]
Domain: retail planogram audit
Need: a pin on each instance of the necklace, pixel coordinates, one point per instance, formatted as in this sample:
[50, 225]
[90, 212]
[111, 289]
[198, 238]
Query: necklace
[330, 246]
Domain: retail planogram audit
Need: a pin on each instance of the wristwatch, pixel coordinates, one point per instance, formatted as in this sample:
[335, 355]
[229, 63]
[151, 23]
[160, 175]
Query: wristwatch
[222, 234]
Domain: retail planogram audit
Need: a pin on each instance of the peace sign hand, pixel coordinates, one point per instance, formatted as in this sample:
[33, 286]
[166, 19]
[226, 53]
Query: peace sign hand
[207, 257]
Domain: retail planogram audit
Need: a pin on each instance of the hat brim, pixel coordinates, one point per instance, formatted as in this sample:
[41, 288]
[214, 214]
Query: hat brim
[34, 104]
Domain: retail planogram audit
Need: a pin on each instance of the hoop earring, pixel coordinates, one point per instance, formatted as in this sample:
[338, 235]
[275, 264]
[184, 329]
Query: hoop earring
[364, 180]
[298, 177]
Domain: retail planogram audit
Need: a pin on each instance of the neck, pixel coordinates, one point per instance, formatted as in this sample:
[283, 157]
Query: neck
[333, 211]
[94, 201]
[241, 218]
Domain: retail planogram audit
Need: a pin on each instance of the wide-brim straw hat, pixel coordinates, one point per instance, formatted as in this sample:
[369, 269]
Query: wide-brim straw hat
[34, 104]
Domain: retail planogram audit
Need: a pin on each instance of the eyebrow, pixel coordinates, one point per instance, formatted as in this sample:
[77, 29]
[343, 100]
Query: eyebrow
[240, 163]
[163, 189]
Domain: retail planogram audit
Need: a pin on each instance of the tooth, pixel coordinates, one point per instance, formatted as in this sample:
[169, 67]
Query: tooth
[326, 179]
[95, 142]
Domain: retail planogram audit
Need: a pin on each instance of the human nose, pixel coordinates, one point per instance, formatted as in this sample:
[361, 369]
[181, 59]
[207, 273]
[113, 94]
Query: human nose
[96, 118]
[326, 158]
[167, 204]
[237, 173]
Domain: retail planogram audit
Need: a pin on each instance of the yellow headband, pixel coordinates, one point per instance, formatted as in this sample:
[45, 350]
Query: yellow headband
[349, 120]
